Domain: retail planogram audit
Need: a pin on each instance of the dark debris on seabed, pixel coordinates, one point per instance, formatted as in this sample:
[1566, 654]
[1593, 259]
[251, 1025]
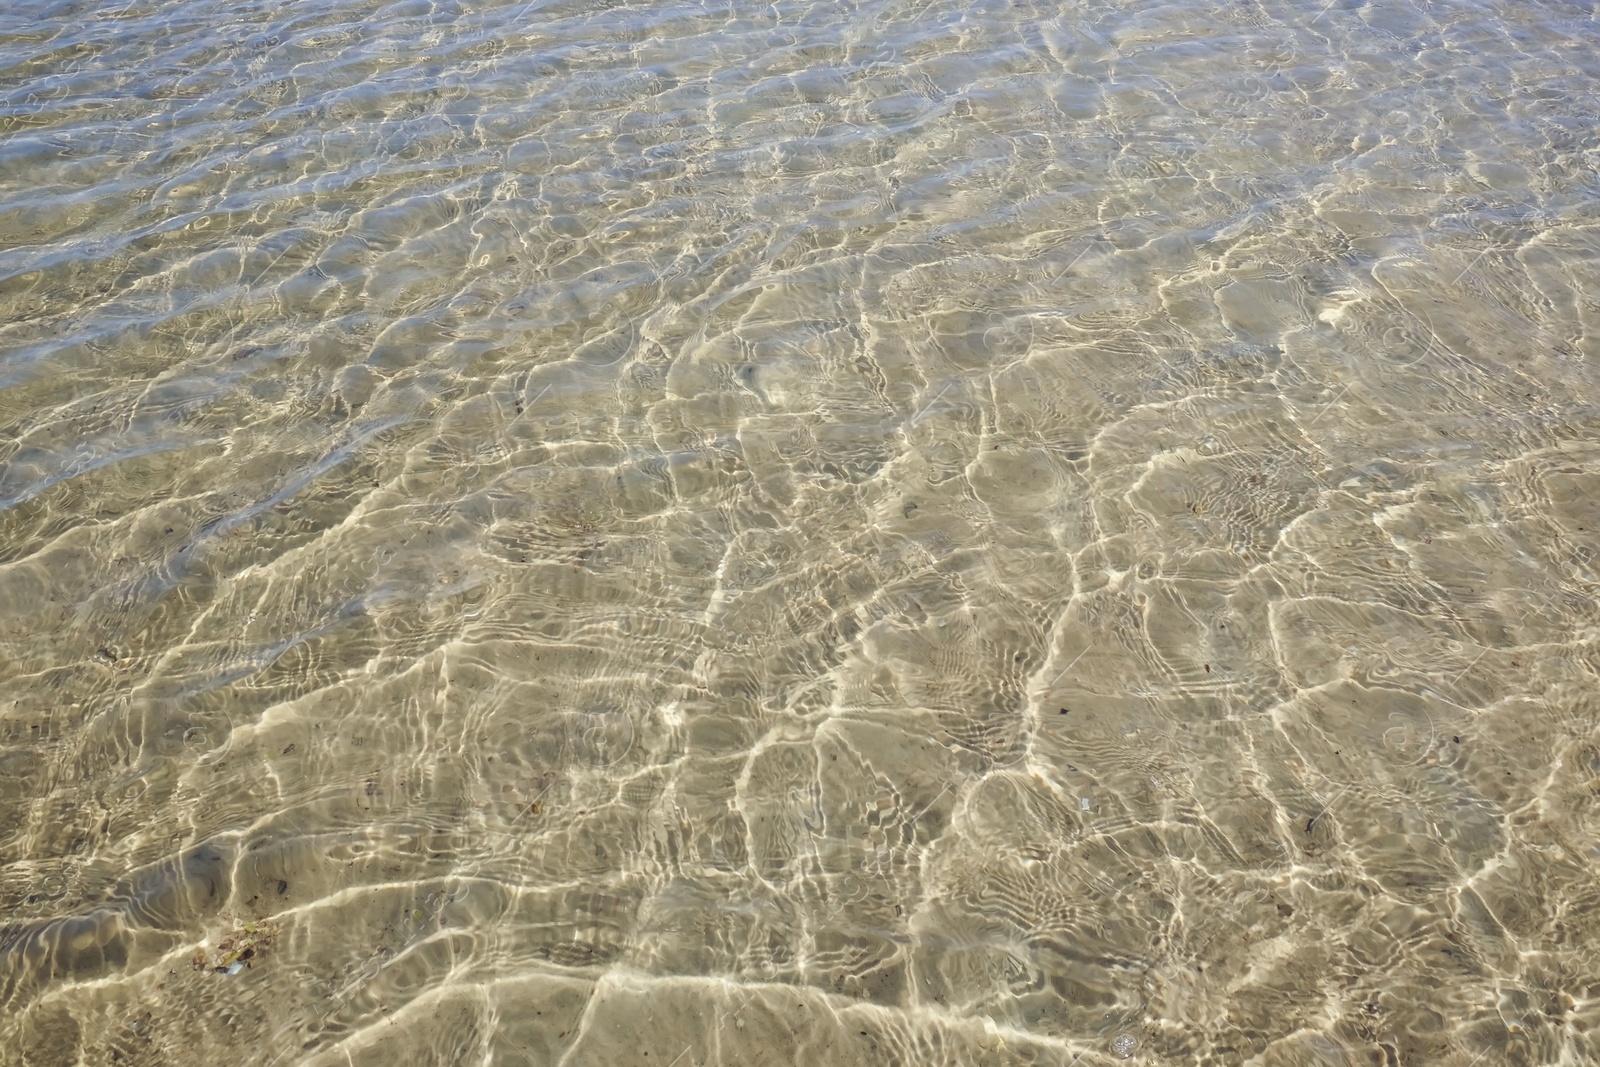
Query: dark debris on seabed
[242, 948]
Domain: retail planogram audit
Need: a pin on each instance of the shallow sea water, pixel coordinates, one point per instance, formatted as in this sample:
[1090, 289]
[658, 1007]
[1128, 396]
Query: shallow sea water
[869, 533]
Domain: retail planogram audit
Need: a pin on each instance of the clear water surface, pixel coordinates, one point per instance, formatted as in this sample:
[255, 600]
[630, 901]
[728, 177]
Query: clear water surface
[575, 533]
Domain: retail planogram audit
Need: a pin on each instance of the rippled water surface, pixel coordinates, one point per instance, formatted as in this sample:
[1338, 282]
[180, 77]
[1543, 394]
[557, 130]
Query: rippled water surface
[609, 532]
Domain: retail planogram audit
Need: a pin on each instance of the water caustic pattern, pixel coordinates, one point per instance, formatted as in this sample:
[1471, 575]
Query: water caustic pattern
[882, 533]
